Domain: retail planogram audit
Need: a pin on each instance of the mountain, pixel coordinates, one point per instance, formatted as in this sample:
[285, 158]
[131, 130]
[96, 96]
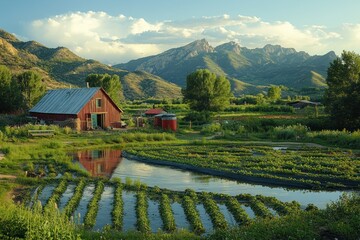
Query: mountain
[248, 70]
[62, 68]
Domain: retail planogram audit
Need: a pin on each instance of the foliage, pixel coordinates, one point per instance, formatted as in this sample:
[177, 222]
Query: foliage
[306, 167]
[111, 85]
[339, 220]
[206, 92]
[10, 95]
[274, 93]
[74, 201]
[217, 218]
[294, 132]
[32, 88]
[192, 215]
[117, 213]
[342, 98]
[93, 206]
[166, 214]
[18, 222]
[239, 214]
[143, 224]
[198, 117]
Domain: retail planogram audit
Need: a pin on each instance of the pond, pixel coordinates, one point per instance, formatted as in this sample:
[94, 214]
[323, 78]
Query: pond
[110, 163]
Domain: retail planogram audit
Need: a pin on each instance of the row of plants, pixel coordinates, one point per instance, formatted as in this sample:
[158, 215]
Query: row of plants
[74, 201]
[217, 218]
[241, 217]
[117, 213]
[192, 215]
[258, 207]
[280, 207]
[143, 224]
[167, 214]
[93, 206]
[57, 193]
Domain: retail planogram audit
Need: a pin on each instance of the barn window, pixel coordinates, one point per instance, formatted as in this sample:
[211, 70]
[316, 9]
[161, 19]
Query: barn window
[98, 102]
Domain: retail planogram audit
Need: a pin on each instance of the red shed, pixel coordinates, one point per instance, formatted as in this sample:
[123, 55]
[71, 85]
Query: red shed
[90, 108]
[169, 122]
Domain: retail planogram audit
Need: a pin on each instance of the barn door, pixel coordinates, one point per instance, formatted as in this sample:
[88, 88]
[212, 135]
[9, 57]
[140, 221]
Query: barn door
[94, 121]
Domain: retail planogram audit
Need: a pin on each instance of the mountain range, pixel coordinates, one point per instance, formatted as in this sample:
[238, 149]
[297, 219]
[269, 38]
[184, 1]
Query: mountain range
[163, 75]
[247, 69]
[61, 68]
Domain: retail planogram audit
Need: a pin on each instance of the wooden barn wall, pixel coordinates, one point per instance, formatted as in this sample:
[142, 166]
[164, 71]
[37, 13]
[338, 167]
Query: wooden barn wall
[53, 117]
[112, 114]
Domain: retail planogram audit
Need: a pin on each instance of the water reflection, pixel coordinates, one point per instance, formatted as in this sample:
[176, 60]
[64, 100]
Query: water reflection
[99, 163]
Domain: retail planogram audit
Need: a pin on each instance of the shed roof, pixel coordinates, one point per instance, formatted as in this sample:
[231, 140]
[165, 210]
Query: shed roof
[154, 111]
[64, 101]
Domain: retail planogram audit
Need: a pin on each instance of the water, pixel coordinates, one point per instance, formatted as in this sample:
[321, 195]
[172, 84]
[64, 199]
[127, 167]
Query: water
[227, 214]
[46, 194]
[180, 217]
[177, 179]
[82, 208]
[66, 196]
[205, 218]
[105, 207]
[154, 216]
[129, 200]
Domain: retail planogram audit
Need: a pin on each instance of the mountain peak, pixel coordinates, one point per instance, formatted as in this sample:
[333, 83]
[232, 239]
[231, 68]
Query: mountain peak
[229, 47]
[277, 49]
[199, 46]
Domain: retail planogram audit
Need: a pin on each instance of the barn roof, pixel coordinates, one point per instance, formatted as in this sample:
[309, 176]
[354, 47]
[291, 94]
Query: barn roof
[64, 101]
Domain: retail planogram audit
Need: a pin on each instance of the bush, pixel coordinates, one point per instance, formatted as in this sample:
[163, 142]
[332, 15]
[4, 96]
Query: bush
[198, 117]
[211, 128]
[290, 132]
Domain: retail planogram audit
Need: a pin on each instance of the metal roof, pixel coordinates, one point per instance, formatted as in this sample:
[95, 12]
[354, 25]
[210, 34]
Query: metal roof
[64, 101]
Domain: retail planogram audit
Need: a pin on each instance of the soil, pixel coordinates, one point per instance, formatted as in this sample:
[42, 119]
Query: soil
[2, 176]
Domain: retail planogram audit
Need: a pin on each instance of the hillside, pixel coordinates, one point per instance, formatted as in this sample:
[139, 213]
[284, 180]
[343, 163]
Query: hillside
[61, 68]
[249, 68]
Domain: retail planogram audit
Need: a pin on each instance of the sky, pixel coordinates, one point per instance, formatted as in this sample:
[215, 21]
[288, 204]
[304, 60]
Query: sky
[117, 31]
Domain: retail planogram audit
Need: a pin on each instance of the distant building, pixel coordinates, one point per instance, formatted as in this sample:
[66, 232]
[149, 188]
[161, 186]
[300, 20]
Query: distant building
[87, 108]
[154, 111]
[303, 103]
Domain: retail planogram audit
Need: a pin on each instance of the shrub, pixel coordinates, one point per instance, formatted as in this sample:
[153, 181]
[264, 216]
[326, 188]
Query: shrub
[290, 132]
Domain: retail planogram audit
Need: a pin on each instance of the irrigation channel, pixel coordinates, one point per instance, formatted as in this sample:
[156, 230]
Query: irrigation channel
[213, 202]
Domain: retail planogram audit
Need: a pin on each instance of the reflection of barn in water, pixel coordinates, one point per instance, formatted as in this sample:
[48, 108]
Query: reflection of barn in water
[99, 162]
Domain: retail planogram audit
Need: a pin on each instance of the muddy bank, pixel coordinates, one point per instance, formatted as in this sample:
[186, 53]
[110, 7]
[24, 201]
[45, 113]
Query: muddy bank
[233, 176]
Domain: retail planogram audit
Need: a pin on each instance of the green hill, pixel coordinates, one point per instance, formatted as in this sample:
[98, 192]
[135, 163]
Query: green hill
[62, 68]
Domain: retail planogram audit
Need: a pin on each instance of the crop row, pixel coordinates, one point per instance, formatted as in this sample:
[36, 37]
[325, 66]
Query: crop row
[57, 193]
[117, 213]
[217, 218]
[143, 224]
[192, 215]
[74, 201]
[93, 206]
[166, 214]
[239, 214]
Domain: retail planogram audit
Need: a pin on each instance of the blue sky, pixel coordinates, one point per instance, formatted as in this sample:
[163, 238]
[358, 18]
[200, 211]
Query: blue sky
[115, 31]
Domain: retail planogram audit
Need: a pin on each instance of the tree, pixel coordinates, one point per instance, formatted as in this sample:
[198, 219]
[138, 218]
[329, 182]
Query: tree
[206, 92]
[274, 93]
[342, 98]
[10, 96]
[32, 88]
[111, 84]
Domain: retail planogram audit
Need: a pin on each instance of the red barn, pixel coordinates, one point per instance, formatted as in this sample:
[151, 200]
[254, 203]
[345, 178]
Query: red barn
[90, 108]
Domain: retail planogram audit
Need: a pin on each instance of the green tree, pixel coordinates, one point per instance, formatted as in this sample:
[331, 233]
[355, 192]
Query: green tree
[32, 88]
[274, 93]
[10, 96]
[206, 92]
[342, 98]
[111, 84]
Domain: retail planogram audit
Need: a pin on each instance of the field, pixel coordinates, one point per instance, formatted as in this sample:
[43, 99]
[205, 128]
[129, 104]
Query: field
[49, 189]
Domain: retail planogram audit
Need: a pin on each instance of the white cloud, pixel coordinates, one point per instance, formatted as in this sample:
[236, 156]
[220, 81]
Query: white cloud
[116, 39]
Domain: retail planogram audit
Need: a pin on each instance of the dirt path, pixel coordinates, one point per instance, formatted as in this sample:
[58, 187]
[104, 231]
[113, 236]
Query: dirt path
[2, 155]
[3, 176]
